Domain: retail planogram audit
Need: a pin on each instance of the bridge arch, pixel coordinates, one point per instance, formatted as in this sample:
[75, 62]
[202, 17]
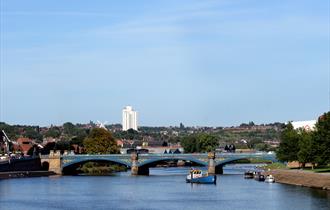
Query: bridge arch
[152, 162]
[219, 165]
[143, 167]
[68, 167]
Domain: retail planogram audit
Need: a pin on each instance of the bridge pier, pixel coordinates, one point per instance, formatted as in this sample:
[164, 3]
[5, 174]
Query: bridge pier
[211, 163]
[54, 161]
[135, 169]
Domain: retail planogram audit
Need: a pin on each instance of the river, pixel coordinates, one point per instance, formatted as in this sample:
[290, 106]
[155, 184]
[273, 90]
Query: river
[165, 189]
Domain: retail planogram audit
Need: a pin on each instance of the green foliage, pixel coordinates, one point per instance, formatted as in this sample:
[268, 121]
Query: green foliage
[305, 154]
[53, 132]
[321, 140]
[11, 131]
[261, 147]
[274, 166]
[62, 145]
[31, 133]
[199, 143]
[303, 146]
[100, 141]
[70, 129]
[190, 144]
[129, 134]
[207, 142]
[289, 146]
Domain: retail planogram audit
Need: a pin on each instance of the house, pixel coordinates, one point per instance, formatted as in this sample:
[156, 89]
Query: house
[24, 144]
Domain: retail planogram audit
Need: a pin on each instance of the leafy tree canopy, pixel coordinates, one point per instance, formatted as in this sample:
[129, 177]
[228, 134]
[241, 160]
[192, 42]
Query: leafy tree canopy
[100, 141]
[289, 146]
[321, 140]
[199, 143]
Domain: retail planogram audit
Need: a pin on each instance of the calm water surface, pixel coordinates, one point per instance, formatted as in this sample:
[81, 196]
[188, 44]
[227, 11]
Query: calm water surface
[165, 188]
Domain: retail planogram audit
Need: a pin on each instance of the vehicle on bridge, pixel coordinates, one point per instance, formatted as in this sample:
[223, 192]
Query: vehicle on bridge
[197, 176]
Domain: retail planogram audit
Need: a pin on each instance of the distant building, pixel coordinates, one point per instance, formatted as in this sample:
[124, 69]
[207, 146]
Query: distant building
[129, 118]
[24, 145]
[307, 125]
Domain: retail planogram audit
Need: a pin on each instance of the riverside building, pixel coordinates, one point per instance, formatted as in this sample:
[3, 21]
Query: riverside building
[129, 118]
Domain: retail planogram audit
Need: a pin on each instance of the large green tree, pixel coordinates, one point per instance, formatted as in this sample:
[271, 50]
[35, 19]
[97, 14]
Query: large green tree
[207, 142]
[100, 141]
[202, 142]
[321, 140]
[289, 145]
[305, 154]
[69, 129]
[190, 144]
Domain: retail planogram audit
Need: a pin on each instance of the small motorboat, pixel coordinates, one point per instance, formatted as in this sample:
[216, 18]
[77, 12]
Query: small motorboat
[248, 175]
[197, 176]
[259, 177]
[270, 179]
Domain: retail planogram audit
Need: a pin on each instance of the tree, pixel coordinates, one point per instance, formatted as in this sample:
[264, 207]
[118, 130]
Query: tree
[100, 141]
[53, 132]
[207, 142]
[69, 129]
[199, 143]
[62, 145]
[305, 154]
[31, 133]
[289, 145]
[190, 144]
[321, 140]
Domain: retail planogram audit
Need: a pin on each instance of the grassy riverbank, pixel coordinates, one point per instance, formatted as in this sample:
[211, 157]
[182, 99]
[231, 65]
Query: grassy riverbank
[301, 178]
[319, 170]
[274, 166]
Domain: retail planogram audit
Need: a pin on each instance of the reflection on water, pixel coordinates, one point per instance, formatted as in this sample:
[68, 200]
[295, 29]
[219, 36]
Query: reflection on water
[165, 188]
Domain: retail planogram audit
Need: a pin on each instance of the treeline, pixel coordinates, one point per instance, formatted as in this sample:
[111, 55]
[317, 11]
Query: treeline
[306, 146]
[98, 141]
[246, 136]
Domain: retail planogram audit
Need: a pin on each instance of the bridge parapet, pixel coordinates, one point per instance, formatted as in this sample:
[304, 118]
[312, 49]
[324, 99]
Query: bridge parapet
[69, 159]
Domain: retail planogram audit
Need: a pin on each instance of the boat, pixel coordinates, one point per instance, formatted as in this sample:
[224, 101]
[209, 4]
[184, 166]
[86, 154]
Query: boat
[259, 177]
[197, 176]
[249, 175]
[270, 179]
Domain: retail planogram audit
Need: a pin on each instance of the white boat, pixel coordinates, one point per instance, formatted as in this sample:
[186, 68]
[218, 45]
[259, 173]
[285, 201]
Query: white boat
[270, 179]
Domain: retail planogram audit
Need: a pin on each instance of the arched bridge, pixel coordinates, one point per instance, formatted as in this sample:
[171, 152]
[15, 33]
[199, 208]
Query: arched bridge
[140, 163]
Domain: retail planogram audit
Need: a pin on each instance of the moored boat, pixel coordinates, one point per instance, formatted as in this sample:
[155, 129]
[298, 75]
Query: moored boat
[197, 176]
[270, 179]
[248, 175]
[259, 177]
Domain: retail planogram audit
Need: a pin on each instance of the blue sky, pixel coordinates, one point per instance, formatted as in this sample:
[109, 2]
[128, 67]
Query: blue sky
[213, 63]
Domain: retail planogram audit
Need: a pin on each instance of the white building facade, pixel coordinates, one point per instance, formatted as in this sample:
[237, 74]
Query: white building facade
[308, 125]
[129, 118]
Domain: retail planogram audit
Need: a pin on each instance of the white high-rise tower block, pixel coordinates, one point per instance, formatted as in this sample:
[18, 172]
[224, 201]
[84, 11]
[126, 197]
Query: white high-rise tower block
[129, 118]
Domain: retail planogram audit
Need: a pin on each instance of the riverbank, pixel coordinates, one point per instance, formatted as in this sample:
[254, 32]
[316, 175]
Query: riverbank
[23, 174]
[301, 178]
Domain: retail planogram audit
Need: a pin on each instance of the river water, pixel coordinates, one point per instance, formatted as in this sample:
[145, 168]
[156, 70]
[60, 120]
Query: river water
[165, 188]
